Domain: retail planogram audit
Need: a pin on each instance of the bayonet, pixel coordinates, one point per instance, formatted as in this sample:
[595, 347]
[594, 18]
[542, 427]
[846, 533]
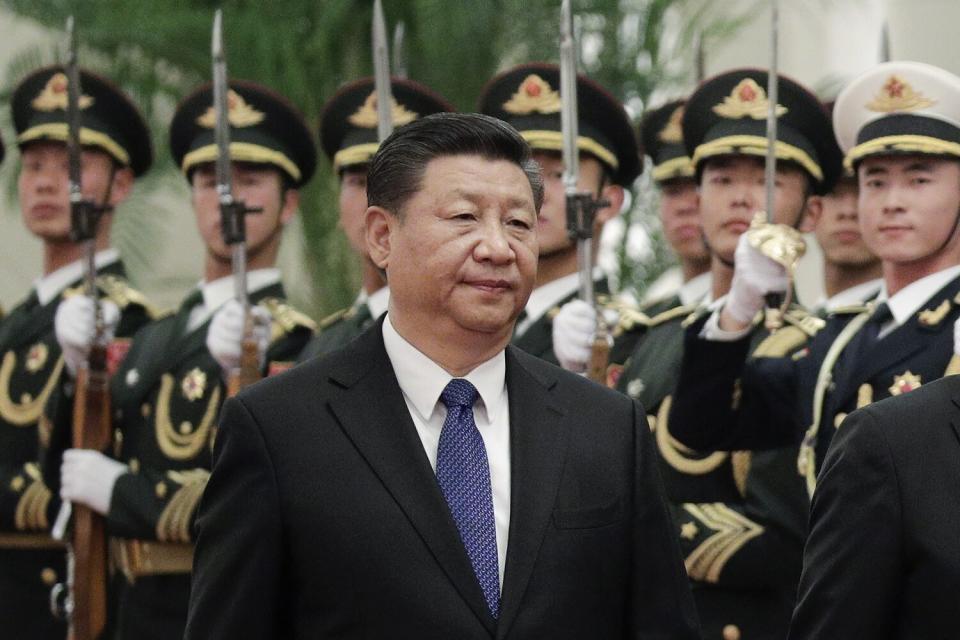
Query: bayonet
[399, 51]
[381, 73]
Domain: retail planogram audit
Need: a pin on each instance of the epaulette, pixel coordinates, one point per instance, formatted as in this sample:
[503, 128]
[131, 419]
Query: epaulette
[670, 314]
[802, 319]
[695, 315]
[333, 318]
[286, 319]
[631, 318]
[849, 310]
[799, 326]
[119, 291]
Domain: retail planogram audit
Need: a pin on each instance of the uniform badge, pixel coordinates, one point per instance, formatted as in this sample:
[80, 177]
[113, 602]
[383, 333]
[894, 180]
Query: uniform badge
[54, 95]
[239, 113]
[933, 317]
[673, 131]
[37, 357]
[278, 367]
[905, 382]
[132, 377]
[896, 94]
[689, 531]
[366, 115]
[614, 372]
[194, 384]
[116, 351]
[534, 95]
[635, 387]
[748, 99]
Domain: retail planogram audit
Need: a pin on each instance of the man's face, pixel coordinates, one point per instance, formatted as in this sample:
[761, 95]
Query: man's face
[552, 221]
[257, 186]
[838, 229]
[908, 205]
[353, 206]
[680, 215]
[732, 191]
[44, 187]
[462, 257]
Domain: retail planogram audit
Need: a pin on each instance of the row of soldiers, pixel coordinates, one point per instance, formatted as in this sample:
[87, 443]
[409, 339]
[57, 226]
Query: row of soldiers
[728, 402]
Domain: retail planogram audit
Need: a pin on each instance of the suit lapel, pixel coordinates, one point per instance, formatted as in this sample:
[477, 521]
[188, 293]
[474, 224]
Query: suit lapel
[955, 414]
[537, 439]
[384, 434]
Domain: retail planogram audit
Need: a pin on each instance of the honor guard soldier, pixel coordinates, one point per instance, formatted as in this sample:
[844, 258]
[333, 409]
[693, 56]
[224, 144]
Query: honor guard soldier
[116, 149]
[528, 97]
[661, 138]
[898, 126]
[348, 137]
[167, 393]
[740, 515]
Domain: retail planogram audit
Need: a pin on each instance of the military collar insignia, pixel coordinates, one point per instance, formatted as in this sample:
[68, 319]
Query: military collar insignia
[194, 384]
[37, 357]
[366, 116]
[672, 133]
[905, 382]
[239, 113]
[614, 371]
[896, 94]
[534, 95]
[54, 95]
[933, 317]
[689, 531]
[748, 99]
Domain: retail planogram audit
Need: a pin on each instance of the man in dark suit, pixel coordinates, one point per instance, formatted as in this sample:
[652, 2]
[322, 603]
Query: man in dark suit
[368, 494]
[882, 559]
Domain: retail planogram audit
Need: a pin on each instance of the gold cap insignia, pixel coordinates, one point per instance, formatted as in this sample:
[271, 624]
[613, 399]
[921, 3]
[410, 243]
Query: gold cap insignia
[366, 115]
[905, 382]
[673, 131]
[534, 95]
[748, 99]
[37, 357]
[933, 317]
[54, 95]
[194, 384]
[896, 94]
[239, 113]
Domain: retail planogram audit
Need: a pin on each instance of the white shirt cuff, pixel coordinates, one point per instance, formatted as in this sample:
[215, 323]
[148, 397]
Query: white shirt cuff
[711, 330]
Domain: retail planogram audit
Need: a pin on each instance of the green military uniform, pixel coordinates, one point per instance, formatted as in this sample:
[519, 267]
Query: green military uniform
[348, 137]
[31, 373]
[527, 96]
[739, 514]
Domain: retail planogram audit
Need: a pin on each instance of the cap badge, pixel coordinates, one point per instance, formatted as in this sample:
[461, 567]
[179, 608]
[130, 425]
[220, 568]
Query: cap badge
[534, 95]
[54, 95]
[239, 113]
[673, 131]
[748, 99]
[366, 115]
[903, 383]
[896, 94]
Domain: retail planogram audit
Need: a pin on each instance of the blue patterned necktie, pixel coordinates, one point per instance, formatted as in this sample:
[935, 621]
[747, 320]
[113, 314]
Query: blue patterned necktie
[464, 477]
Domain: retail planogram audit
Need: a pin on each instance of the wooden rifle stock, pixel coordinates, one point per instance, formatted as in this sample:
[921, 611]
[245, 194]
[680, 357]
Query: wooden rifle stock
[249, 370]
[91, 430]
[599, 353]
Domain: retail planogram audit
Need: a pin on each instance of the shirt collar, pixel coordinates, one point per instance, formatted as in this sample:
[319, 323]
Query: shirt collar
[49, 286]
[378, 301]
[422, 380]
[695, 289]
[546, 296]
[857, 294]
[218, 292]
[904, 303]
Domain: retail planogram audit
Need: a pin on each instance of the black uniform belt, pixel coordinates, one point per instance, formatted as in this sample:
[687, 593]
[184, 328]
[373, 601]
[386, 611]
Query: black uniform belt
[136, 558]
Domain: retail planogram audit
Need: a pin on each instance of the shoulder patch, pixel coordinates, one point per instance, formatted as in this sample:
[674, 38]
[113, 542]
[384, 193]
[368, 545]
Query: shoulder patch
[119, 291]
[286, 319]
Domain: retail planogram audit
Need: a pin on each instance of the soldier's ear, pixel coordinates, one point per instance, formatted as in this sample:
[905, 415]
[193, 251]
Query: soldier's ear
[289, 206]
[121, 185]
[614, 194]
[811, 214]
[379, 224]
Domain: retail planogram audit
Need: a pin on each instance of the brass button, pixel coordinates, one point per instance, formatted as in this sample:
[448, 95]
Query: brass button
[17, 483]
[186, 427]
[838, 419]
[49, 576]
[731, 632]
[134, 465]
[161, 490]
[145, 409]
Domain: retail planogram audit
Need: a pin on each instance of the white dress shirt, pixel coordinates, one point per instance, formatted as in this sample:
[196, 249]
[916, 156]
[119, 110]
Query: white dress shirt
[377, 302]
[857, 294]
[422, 380]
[218, 292]
[49, 286]
[908, 301]
[695, 289]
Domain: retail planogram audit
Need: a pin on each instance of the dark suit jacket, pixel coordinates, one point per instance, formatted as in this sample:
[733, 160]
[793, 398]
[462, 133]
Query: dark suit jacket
[883, 556]
[323, 518]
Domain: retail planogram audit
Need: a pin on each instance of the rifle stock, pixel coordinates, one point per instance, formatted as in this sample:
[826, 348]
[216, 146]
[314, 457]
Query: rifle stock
[249, 370]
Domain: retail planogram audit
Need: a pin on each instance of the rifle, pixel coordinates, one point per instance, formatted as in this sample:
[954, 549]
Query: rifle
[233, 214]
[83, 600]
[581, 206]
[399, 50]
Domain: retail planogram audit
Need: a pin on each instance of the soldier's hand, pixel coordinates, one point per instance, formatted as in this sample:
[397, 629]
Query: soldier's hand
[573, 331]
[87, 477]
[75, 328]
[754, 276]
[225, 334]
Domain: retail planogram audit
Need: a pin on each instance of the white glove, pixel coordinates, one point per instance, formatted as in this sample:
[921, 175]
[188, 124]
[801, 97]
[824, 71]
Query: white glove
[754, 276]
[88, 477]
[573, 331]
[226, 333]
[75, 328]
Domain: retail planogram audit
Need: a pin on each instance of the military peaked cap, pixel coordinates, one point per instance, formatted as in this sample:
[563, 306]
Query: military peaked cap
[661, 134]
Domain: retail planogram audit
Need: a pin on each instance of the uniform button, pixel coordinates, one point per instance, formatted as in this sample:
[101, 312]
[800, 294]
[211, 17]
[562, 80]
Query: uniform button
[161, 490]
[731, 632]
[186, 427]
[48, 576]
[145, 409]
[134, 465]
